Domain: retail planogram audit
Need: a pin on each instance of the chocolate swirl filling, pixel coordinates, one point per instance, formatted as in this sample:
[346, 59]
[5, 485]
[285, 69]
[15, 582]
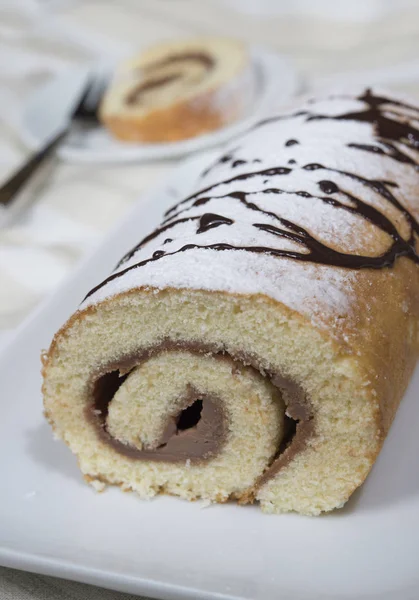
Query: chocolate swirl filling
[198, 432]
[154, 80]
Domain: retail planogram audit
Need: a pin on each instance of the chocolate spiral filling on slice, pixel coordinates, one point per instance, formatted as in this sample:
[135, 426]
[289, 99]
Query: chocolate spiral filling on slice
[157, 75]
[134, 97]
[204, 59]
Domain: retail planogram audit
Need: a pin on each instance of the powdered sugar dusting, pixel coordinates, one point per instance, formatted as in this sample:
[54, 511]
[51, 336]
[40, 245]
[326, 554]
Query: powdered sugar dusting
[239, 272]
[292, 177]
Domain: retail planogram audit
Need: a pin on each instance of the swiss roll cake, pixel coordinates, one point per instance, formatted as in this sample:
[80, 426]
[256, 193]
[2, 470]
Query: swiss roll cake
[256, 345]
[178, 90]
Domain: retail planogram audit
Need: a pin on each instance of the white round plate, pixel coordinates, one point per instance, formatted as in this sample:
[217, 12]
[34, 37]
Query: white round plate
[47, 109]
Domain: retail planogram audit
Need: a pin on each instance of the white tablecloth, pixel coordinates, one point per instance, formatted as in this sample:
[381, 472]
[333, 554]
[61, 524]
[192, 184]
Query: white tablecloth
[377, 41]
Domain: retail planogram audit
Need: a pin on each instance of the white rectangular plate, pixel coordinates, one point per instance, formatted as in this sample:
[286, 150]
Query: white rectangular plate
[53, 523]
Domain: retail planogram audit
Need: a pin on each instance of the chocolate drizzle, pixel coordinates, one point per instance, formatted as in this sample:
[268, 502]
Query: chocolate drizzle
[380, 187]
[206, 221]
[225, 158]
[271, 172]
[237, 163]
[391, 127]
[229, 158]
[153, 235]
[210, 220]
[392, 152]
[387, 128]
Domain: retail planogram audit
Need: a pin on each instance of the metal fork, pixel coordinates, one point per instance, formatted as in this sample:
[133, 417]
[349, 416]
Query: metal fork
[85, 113]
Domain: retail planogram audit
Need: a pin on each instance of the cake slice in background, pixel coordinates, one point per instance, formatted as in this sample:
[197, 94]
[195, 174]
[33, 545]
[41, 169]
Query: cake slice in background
[178, 90]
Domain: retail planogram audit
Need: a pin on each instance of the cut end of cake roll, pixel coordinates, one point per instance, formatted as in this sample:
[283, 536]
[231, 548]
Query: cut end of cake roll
[178, 90]
[202, 416]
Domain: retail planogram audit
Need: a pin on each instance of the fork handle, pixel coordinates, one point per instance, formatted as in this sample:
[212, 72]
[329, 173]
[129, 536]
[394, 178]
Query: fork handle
[18, 180]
